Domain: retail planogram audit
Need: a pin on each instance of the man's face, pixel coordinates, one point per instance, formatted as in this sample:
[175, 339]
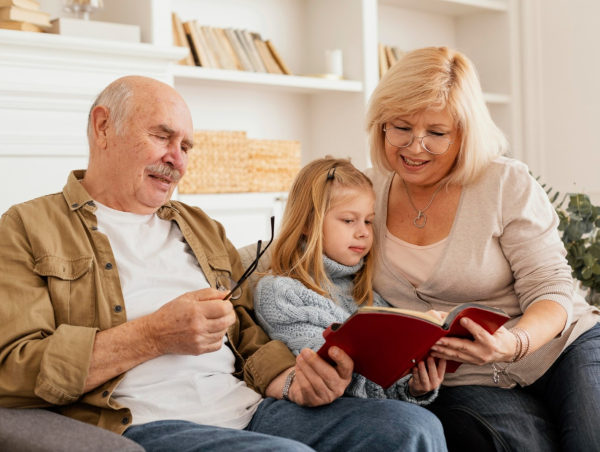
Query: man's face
[145, 163]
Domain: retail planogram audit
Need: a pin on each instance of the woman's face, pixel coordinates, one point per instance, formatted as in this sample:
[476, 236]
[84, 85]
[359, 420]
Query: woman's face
[414, 164]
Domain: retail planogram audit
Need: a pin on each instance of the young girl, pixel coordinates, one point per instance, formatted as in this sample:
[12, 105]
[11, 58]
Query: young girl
[322, 268]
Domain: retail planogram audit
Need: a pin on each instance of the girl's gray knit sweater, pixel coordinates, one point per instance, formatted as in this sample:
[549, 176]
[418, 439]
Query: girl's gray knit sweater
[297, 316]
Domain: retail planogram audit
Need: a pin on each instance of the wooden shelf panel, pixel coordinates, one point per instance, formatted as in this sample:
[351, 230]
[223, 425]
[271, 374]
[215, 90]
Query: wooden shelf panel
[289, 83]
[450, 7]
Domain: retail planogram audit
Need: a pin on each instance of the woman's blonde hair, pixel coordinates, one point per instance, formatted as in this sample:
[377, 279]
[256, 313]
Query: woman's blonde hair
[434, 79]
[298, 251]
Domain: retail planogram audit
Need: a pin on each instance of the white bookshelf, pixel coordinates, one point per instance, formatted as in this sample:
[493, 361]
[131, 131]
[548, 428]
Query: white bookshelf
[252, 80]
[326, 116]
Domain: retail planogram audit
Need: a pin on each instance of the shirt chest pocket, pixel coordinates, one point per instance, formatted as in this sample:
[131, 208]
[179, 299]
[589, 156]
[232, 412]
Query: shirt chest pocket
[71, 286]
[220, 267]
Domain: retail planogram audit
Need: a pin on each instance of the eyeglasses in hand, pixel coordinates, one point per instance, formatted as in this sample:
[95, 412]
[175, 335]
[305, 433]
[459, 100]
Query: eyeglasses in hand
[235, 288]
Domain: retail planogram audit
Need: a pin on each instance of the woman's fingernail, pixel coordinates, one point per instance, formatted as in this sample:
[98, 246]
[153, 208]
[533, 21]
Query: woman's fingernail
[464, 321]
[334, 351]
[299, 358]
[434, 349]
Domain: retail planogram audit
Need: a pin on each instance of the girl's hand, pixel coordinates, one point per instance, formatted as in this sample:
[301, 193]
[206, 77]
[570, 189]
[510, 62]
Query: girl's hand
[426, 378]
[484, 349]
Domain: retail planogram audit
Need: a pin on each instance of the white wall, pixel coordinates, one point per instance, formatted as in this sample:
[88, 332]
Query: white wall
[563, 125]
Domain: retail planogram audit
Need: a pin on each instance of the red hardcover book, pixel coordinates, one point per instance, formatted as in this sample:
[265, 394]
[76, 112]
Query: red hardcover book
[385, 343]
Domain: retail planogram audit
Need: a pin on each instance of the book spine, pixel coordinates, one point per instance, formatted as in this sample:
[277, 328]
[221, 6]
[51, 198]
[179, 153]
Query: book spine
[256, 60]
[195, 46]
[24, 15]
[237, 65]
[239, 50]
[265, 54]
[244, 44]
[383, 67]
[285, 69]
[180, 39]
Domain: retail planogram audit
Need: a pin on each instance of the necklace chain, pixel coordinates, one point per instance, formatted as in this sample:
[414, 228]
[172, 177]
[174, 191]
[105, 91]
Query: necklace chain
[420, 215]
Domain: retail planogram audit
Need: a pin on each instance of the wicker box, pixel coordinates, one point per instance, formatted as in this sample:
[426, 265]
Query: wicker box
[218, 163]
[273, 164]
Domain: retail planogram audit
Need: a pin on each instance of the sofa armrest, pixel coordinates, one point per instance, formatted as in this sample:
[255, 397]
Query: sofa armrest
[38, 430]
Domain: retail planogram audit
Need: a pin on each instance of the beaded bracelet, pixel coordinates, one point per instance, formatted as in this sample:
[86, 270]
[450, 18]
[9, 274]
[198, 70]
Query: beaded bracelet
[521, 351]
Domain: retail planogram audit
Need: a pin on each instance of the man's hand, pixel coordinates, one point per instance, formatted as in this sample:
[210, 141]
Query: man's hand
[316, 382]
[192, 324]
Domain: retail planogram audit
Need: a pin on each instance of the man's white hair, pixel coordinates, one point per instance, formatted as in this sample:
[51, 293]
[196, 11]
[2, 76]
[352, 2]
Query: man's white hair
[116, 97]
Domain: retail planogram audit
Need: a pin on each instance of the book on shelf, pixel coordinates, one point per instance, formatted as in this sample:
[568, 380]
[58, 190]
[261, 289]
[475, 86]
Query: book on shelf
[386, 343]
[196, 47]
[226, 44]
[253, 52]
[265, 54]
[180, 40]
[388, 56]
[284, 67]
[25, 4]
[21, 26]
[14, 13]
[232, 49]
[383, 62]
[391, 56]
[215, 46]
[239, 50]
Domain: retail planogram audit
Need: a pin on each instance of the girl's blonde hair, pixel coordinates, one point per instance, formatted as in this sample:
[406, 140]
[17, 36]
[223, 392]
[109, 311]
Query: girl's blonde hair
[298, 251]
[434, 79]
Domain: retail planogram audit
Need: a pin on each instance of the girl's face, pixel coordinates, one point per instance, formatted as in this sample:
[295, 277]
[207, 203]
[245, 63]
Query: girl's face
[348, 228]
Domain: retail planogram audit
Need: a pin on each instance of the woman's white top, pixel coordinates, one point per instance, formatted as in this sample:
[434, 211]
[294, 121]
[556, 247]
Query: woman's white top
[416, 263]
[155, 266]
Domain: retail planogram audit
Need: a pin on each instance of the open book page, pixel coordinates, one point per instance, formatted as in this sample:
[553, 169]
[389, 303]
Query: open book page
[406, 312]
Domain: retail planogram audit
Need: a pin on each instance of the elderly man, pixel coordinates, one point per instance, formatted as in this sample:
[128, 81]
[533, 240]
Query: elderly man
[109, 312]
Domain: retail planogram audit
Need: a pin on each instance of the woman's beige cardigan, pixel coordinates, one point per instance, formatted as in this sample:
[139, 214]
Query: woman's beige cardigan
[503, 251]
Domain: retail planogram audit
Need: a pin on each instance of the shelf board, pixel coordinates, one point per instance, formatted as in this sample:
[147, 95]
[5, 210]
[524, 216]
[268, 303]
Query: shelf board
[225, 201]
[289, 83]
[495, 98]
[450, 7]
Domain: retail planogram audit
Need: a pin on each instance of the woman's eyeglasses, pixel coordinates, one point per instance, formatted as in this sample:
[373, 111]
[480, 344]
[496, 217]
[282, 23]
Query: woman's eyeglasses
[400, 138]
[235, 288]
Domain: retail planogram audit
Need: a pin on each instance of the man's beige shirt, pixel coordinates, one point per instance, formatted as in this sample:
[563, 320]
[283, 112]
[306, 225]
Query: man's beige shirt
[59, 285]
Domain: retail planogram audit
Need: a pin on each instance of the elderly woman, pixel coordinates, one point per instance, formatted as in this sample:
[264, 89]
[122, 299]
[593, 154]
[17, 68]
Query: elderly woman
[457, 223]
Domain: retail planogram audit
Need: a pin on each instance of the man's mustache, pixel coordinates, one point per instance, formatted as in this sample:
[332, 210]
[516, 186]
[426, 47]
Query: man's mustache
[164, 170]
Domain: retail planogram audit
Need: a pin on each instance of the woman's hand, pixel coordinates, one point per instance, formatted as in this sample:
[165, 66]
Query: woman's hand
[484, 349]
[426, 378]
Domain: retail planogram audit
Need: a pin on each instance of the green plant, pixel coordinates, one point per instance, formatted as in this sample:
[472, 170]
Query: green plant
[580, 227]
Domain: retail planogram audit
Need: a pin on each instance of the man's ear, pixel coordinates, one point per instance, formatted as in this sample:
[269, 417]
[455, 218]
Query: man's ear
[99, 117]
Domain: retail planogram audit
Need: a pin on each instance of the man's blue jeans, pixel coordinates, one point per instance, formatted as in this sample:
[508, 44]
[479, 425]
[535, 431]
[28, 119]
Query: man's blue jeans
[559, 412]
[347, 424]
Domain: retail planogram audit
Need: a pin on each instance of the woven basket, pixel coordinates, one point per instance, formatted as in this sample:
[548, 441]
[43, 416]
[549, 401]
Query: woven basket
[273, 164]
[218, 163]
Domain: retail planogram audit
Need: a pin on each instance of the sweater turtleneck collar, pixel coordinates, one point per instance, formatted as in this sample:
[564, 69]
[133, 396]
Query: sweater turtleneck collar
[336, 270]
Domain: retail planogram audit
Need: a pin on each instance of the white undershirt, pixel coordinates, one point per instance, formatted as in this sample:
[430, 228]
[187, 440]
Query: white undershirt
[155, 266]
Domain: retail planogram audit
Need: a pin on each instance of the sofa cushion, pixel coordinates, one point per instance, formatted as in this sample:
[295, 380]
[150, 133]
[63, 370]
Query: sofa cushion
[38, 430]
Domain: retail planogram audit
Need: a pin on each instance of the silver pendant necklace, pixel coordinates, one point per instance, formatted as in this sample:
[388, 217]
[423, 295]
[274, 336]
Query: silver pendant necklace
[421, 216]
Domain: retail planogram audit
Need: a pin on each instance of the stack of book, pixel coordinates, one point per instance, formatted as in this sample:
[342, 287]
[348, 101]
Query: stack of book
[23, 15]
[388, 56]
[237, 50]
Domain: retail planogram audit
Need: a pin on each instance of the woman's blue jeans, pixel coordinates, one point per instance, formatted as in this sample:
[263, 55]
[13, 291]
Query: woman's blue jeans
[347, 424]
[559, 412]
